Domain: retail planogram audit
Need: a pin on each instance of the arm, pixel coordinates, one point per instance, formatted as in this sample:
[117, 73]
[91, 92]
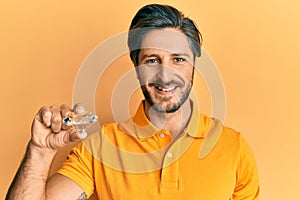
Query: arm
[47, 135]
[61, 187]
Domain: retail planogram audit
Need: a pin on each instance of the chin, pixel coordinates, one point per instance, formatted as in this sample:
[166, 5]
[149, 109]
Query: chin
[165, 109]
[168, 104]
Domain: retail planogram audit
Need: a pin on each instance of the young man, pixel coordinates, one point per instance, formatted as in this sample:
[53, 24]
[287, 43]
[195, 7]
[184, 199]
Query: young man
[167, 150]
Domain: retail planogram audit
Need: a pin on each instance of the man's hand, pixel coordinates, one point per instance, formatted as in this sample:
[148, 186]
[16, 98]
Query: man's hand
[48, 130]
[48, 133]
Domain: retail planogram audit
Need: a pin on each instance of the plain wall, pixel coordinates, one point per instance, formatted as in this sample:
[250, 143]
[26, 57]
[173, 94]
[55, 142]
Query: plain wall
[255, 45]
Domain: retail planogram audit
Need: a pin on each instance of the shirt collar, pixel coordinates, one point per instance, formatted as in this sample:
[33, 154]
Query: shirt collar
[139, 125]
[198, 124]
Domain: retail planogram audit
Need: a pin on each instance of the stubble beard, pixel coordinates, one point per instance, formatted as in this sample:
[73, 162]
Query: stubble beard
[166, 104]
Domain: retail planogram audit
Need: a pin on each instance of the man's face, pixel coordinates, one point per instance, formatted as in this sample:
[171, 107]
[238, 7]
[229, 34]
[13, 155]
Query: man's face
[165, 69]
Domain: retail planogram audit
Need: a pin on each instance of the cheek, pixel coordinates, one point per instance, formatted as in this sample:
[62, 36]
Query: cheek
[188, 73]
[143, 77]
[145, 74]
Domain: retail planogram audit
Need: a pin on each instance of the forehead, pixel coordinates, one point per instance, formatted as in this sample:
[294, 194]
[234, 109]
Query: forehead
[167, 39]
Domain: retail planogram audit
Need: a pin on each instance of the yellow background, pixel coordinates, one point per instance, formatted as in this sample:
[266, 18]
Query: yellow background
[255, 45]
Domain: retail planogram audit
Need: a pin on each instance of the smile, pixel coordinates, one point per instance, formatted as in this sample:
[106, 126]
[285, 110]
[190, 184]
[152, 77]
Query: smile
[165, 89]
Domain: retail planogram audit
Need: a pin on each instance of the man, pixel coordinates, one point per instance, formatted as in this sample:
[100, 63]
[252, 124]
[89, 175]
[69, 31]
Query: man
[167, 150]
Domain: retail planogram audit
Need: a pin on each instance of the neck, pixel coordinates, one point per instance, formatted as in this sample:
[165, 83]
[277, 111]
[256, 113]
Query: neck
[174, 122]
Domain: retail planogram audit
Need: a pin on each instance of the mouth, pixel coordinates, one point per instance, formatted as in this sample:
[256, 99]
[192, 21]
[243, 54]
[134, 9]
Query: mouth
[165, 89]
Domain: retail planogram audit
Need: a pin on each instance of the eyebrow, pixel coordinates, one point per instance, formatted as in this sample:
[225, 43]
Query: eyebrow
[148, 56]
[173, 54]
[181, 54]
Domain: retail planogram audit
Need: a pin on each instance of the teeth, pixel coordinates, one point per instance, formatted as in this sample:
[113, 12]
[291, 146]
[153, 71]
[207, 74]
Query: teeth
[166, 89]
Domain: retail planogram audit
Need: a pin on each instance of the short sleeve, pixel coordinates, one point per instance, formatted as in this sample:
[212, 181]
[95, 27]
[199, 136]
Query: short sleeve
[79, 168]
[247, 183]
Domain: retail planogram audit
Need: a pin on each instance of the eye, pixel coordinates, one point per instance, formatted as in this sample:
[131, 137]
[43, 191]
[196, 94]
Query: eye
[151, 61]
[179, 60]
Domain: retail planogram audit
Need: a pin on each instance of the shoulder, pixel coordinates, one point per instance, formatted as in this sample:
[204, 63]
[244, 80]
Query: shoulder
[227, 133]
[224, 137]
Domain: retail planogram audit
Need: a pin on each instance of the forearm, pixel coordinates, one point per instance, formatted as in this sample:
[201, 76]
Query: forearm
[31, 177]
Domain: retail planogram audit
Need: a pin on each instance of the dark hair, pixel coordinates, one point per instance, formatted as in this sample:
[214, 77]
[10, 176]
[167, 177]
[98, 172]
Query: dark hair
[155, 16]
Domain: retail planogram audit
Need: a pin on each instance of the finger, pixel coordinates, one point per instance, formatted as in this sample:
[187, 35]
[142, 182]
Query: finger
[44, 116]
[65, 110]
[56, 119]
[79, 108]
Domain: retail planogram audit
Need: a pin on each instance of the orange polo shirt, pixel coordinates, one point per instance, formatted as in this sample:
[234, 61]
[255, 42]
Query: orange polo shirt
[134, 160]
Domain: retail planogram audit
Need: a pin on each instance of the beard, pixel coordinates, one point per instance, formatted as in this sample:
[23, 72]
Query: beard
[166, 104]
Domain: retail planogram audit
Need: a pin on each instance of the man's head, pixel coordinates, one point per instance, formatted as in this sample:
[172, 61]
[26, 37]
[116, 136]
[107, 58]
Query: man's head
[155, 16]
[163, 45]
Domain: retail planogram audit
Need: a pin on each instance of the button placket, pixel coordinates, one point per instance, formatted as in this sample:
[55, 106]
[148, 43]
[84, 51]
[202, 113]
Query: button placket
[170, 173]
[169, 154]
[163, 138]
[170, 176]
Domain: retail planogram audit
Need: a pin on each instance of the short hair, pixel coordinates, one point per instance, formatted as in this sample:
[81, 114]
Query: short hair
[156, 16]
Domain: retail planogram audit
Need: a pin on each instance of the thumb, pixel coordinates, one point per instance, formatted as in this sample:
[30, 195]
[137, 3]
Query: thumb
[71, 135]
[62, 138]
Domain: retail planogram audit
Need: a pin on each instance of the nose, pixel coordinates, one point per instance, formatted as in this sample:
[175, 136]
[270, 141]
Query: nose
[164, 72]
